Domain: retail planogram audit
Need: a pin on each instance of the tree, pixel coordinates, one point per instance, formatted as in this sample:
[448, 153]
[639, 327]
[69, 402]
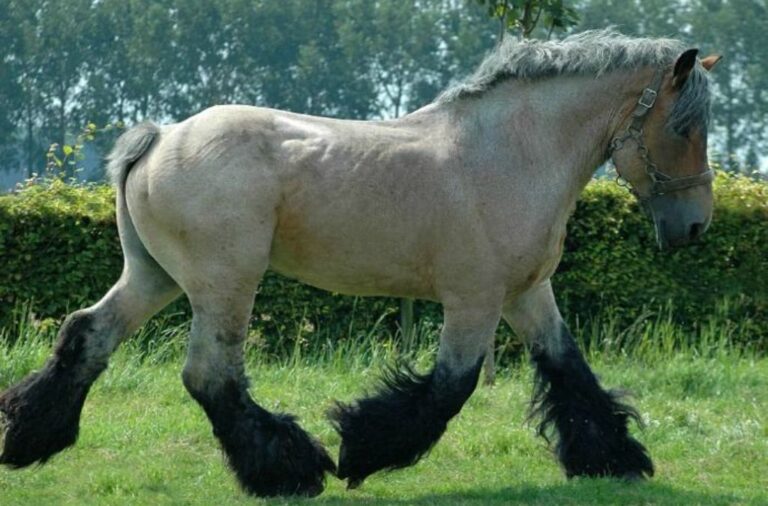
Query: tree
[79, 61]
[59, 24]
[523, 16]
[409, 51]
[10, 90]
[737, 29]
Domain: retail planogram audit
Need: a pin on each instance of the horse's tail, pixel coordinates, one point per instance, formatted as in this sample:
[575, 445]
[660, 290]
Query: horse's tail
[128, 149]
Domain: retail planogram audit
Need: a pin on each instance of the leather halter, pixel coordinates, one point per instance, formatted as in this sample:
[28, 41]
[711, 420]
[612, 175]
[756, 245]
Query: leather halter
[660, 183]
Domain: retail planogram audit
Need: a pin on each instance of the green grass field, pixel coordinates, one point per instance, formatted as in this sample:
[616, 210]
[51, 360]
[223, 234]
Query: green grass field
[144, 441]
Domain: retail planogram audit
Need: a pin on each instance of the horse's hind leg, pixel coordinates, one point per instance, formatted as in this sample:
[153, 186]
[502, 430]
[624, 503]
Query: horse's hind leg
[397, 425]
[40, 415]
[270, 454]
[590, 423]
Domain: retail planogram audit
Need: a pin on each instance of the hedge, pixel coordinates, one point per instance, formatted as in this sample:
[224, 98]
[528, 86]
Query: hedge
[59, 249]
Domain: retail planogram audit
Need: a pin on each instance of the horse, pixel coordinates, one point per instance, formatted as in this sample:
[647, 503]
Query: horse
[464, 202]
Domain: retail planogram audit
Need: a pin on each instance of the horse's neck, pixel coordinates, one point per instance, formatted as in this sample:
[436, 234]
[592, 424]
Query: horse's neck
[556, 129]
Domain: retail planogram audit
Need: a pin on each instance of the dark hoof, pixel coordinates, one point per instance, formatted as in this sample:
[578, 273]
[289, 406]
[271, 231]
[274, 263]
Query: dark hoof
[353, 466]
[623, 458]
[284, 460]
[373, 440]
[633, 477]
[38, 418]
[353, 484]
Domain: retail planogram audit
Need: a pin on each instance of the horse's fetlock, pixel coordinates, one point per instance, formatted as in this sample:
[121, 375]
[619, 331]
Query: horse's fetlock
[195, 383]
[73, 334]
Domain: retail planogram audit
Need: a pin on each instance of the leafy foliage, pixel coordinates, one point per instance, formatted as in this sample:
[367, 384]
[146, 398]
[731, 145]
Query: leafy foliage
[58, 245]
[59, 249]
[127, 60]
[66, 62]
[524, 15]
[611, 261]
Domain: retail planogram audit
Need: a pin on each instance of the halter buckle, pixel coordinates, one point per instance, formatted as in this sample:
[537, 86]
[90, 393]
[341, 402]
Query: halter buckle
[648, 98]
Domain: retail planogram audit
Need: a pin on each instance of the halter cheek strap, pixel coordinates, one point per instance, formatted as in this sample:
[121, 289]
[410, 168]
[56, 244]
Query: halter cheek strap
[660, 183]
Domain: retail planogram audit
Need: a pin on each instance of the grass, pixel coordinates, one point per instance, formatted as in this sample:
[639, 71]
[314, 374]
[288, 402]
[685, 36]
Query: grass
[144, 441]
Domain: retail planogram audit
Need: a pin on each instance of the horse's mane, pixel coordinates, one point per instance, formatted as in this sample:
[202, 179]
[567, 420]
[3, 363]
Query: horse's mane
[593, 52]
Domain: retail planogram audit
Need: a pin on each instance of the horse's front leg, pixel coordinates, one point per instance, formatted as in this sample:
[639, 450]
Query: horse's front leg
[590, 423]
[397, 425]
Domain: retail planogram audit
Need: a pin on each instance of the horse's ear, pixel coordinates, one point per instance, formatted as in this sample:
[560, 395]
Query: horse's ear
[683, 67]
[710, 61]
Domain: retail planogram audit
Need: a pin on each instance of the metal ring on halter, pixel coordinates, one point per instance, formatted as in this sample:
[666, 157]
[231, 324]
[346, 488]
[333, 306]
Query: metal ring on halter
[660, 183]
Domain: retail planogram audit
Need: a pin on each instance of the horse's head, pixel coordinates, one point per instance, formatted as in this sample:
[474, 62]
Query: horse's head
[661, 150]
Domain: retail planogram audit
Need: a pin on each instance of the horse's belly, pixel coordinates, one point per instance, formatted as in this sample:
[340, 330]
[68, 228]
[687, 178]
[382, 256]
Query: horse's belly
[352, 279]
[351, 261]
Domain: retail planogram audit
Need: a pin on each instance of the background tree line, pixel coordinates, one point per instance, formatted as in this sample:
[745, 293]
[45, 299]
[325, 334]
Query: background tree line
[65, 63]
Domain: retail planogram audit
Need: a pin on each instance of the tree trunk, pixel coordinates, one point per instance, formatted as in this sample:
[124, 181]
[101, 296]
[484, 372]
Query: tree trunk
[730, 127]
[406, 318]
[30, 140]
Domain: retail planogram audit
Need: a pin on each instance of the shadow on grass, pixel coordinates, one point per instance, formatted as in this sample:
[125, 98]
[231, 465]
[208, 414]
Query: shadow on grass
[583, 491]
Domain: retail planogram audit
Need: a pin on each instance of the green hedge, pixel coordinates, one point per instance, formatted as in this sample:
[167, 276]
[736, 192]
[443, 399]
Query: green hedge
[611, 260]
[59, 249]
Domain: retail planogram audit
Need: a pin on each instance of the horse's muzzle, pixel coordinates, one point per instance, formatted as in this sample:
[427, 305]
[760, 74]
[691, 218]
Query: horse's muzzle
[681, 218]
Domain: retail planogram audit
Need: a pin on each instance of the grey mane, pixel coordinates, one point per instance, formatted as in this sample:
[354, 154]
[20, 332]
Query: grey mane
[594, 53]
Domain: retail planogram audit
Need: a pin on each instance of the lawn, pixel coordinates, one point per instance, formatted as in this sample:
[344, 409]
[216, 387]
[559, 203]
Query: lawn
[144, 441]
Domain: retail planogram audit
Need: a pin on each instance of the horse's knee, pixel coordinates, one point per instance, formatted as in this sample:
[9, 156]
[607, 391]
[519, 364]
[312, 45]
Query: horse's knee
[452, 389]
[397, 425]
[192, 381]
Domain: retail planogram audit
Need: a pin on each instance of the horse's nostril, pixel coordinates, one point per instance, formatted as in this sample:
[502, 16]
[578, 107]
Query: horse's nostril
[696, 230]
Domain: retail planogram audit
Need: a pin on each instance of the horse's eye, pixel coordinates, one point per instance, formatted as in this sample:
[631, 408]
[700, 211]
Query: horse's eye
[680, 133]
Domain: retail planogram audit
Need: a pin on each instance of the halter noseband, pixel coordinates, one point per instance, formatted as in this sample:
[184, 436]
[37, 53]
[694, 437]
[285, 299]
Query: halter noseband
[660, 183]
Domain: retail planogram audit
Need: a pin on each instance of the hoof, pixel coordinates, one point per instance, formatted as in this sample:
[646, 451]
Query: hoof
[39, 417]
[352, 484]
[633, 477]
[270, 454]
[353, 470]
[624, 458]
[282, 461]
[373, 440]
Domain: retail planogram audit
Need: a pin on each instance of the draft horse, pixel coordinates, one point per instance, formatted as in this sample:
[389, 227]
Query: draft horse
[464, 202]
